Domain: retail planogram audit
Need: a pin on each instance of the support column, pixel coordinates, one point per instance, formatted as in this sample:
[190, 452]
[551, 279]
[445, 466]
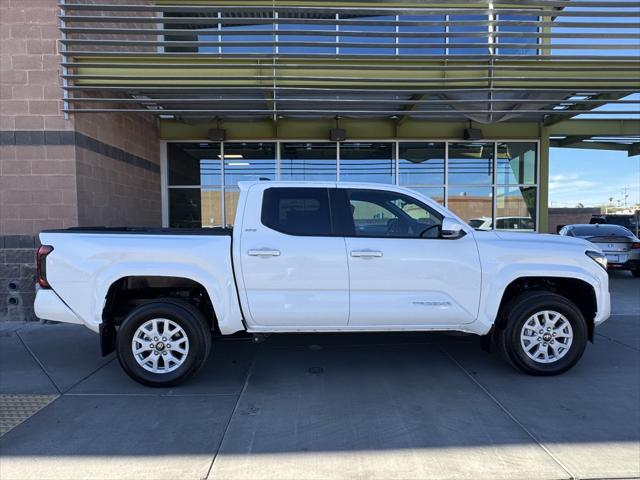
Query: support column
[543, 181]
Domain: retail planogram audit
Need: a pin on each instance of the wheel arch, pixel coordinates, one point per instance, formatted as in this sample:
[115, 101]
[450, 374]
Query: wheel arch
[130, 291]
[576, 290]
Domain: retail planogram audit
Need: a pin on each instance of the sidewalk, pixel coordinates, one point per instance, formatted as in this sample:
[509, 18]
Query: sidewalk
[363, 406]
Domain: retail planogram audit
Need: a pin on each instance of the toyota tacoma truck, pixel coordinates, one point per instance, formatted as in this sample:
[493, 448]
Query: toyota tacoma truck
[322, 257]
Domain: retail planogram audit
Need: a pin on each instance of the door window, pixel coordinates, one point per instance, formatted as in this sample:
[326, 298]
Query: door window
[297, 211]
[394, 215]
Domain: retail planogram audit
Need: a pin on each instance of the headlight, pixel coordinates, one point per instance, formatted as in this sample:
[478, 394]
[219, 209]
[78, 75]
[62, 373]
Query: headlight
[598, 257]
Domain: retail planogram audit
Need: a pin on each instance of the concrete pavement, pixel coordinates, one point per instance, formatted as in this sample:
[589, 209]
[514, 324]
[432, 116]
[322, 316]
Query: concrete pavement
[406, 406]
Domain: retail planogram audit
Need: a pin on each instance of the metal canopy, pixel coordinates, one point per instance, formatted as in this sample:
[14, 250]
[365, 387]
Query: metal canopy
[531, 60]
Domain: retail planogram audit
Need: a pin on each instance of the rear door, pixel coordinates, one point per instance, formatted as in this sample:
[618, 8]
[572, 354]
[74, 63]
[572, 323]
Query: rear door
[401, 272]
[294, 268]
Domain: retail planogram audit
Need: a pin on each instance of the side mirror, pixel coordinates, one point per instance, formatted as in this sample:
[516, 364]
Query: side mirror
[452, 229]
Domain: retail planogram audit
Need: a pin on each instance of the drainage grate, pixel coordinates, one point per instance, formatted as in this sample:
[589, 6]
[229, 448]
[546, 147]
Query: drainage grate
[15, 409]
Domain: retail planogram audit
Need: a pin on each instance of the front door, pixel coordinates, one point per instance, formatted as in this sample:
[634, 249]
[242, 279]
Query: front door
[294, 269]
[401, 272]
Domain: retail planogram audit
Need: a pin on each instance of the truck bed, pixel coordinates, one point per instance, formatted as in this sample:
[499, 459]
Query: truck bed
[213, 231]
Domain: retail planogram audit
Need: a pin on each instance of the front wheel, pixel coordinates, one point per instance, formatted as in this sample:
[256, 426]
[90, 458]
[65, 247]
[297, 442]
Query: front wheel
[545, 333]
[636, 272]
[162, 343]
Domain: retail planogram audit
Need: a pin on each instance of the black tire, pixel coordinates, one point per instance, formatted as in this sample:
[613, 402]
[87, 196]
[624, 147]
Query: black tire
[636, 272]
[518, 311]
[185, 315]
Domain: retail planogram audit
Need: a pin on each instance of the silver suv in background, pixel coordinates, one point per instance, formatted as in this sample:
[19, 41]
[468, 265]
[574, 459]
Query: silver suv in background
[618, 243]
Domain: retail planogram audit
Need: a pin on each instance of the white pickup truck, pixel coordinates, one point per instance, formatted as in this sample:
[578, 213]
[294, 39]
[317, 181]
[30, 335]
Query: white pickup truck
[322, 257]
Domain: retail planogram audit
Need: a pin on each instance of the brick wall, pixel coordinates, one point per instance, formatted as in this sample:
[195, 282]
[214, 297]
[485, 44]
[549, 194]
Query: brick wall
[124, 190]
[559, 217]
[17, 277]
[58, 172]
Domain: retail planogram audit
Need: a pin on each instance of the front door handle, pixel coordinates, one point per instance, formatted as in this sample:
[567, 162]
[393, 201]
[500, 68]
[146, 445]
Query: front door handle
[366, 253]
[264, 252]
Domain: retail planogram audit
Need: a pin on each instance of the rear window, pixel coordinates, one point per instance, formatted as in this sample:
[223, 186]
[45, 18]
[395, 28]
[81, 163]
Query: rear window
[297, 211]
[599, 230]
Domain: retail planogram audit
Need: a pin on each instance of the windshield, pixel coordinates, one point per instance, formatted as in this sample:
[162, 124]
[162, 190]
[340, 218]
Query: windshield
[600, 230]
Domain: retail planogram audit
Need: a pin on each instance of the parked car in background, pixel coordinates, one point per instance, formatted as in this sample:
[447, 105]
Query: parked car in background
[322, 257]
[630, 221]
[618, 243]
[525, 224]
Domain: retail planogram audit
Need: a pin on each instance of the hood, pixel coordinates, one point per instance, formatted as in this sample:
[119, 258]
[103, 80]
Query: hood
[544, 238]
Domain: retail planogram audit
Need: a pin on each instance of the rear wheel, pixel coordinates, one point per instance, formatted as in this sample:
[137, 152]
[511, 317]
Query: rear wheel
[636, 272]
[162, 343]
[545, 333]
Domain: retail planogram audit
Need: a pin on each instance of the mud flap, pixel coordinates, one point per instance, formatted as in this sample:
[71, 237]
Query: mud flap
[486, 341]
[107, 338]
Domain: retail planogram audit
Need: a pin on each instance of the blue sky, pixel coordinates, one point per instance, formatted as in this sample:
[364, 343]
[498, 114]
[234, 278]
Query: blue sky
[590, 177]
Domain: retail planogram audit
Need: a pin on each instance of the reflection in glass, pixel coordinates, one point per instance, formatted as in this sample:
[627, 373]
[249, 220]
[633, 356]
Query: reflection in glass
[516, 163]
[425, 29]
[421, 163]
[470, 163]
[194, 164]
[184, 208]
[473, 205]
[367, 162]
[231, 196]
[390, 39]
[434, 193]
[308, 161]
[211, 199]
[249, 161]
[516, 208]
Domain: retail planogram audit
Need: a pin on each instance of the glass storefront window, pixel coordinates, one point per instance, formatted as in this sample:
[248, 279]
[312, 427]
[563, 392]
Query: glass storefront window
[249, 161]
[308, 161]
[516, 163]
[473, 204]
[421, 163]
[471, 163]
[231, 196]
[210, 206]
[434, 193]
[199, 195]
[516, 208]
[194, 164]
[367, 162]
[184, 208]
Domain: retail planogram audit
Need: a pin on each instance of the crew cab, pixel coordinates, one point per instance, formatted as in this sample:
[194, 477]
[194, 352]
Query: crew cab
[322, 257]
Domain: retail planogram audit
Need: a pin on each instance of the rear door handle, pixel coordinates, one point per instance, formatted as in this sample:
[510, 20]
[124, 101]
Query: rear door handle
[366, 253]
[264, 252]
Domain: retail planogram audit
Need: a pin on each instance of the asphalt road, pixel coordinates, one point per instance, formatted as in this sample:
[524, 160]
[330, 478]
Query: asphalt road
[362, 406]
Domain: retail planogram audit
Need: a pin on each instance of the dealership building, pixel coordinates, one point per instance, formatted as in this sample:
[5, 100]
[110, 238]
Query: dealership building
[149, 112]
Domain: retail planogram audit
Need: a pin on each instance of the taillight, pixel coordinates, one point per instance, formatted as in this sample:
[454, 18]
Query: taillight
[635, 246]
[41, 265]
